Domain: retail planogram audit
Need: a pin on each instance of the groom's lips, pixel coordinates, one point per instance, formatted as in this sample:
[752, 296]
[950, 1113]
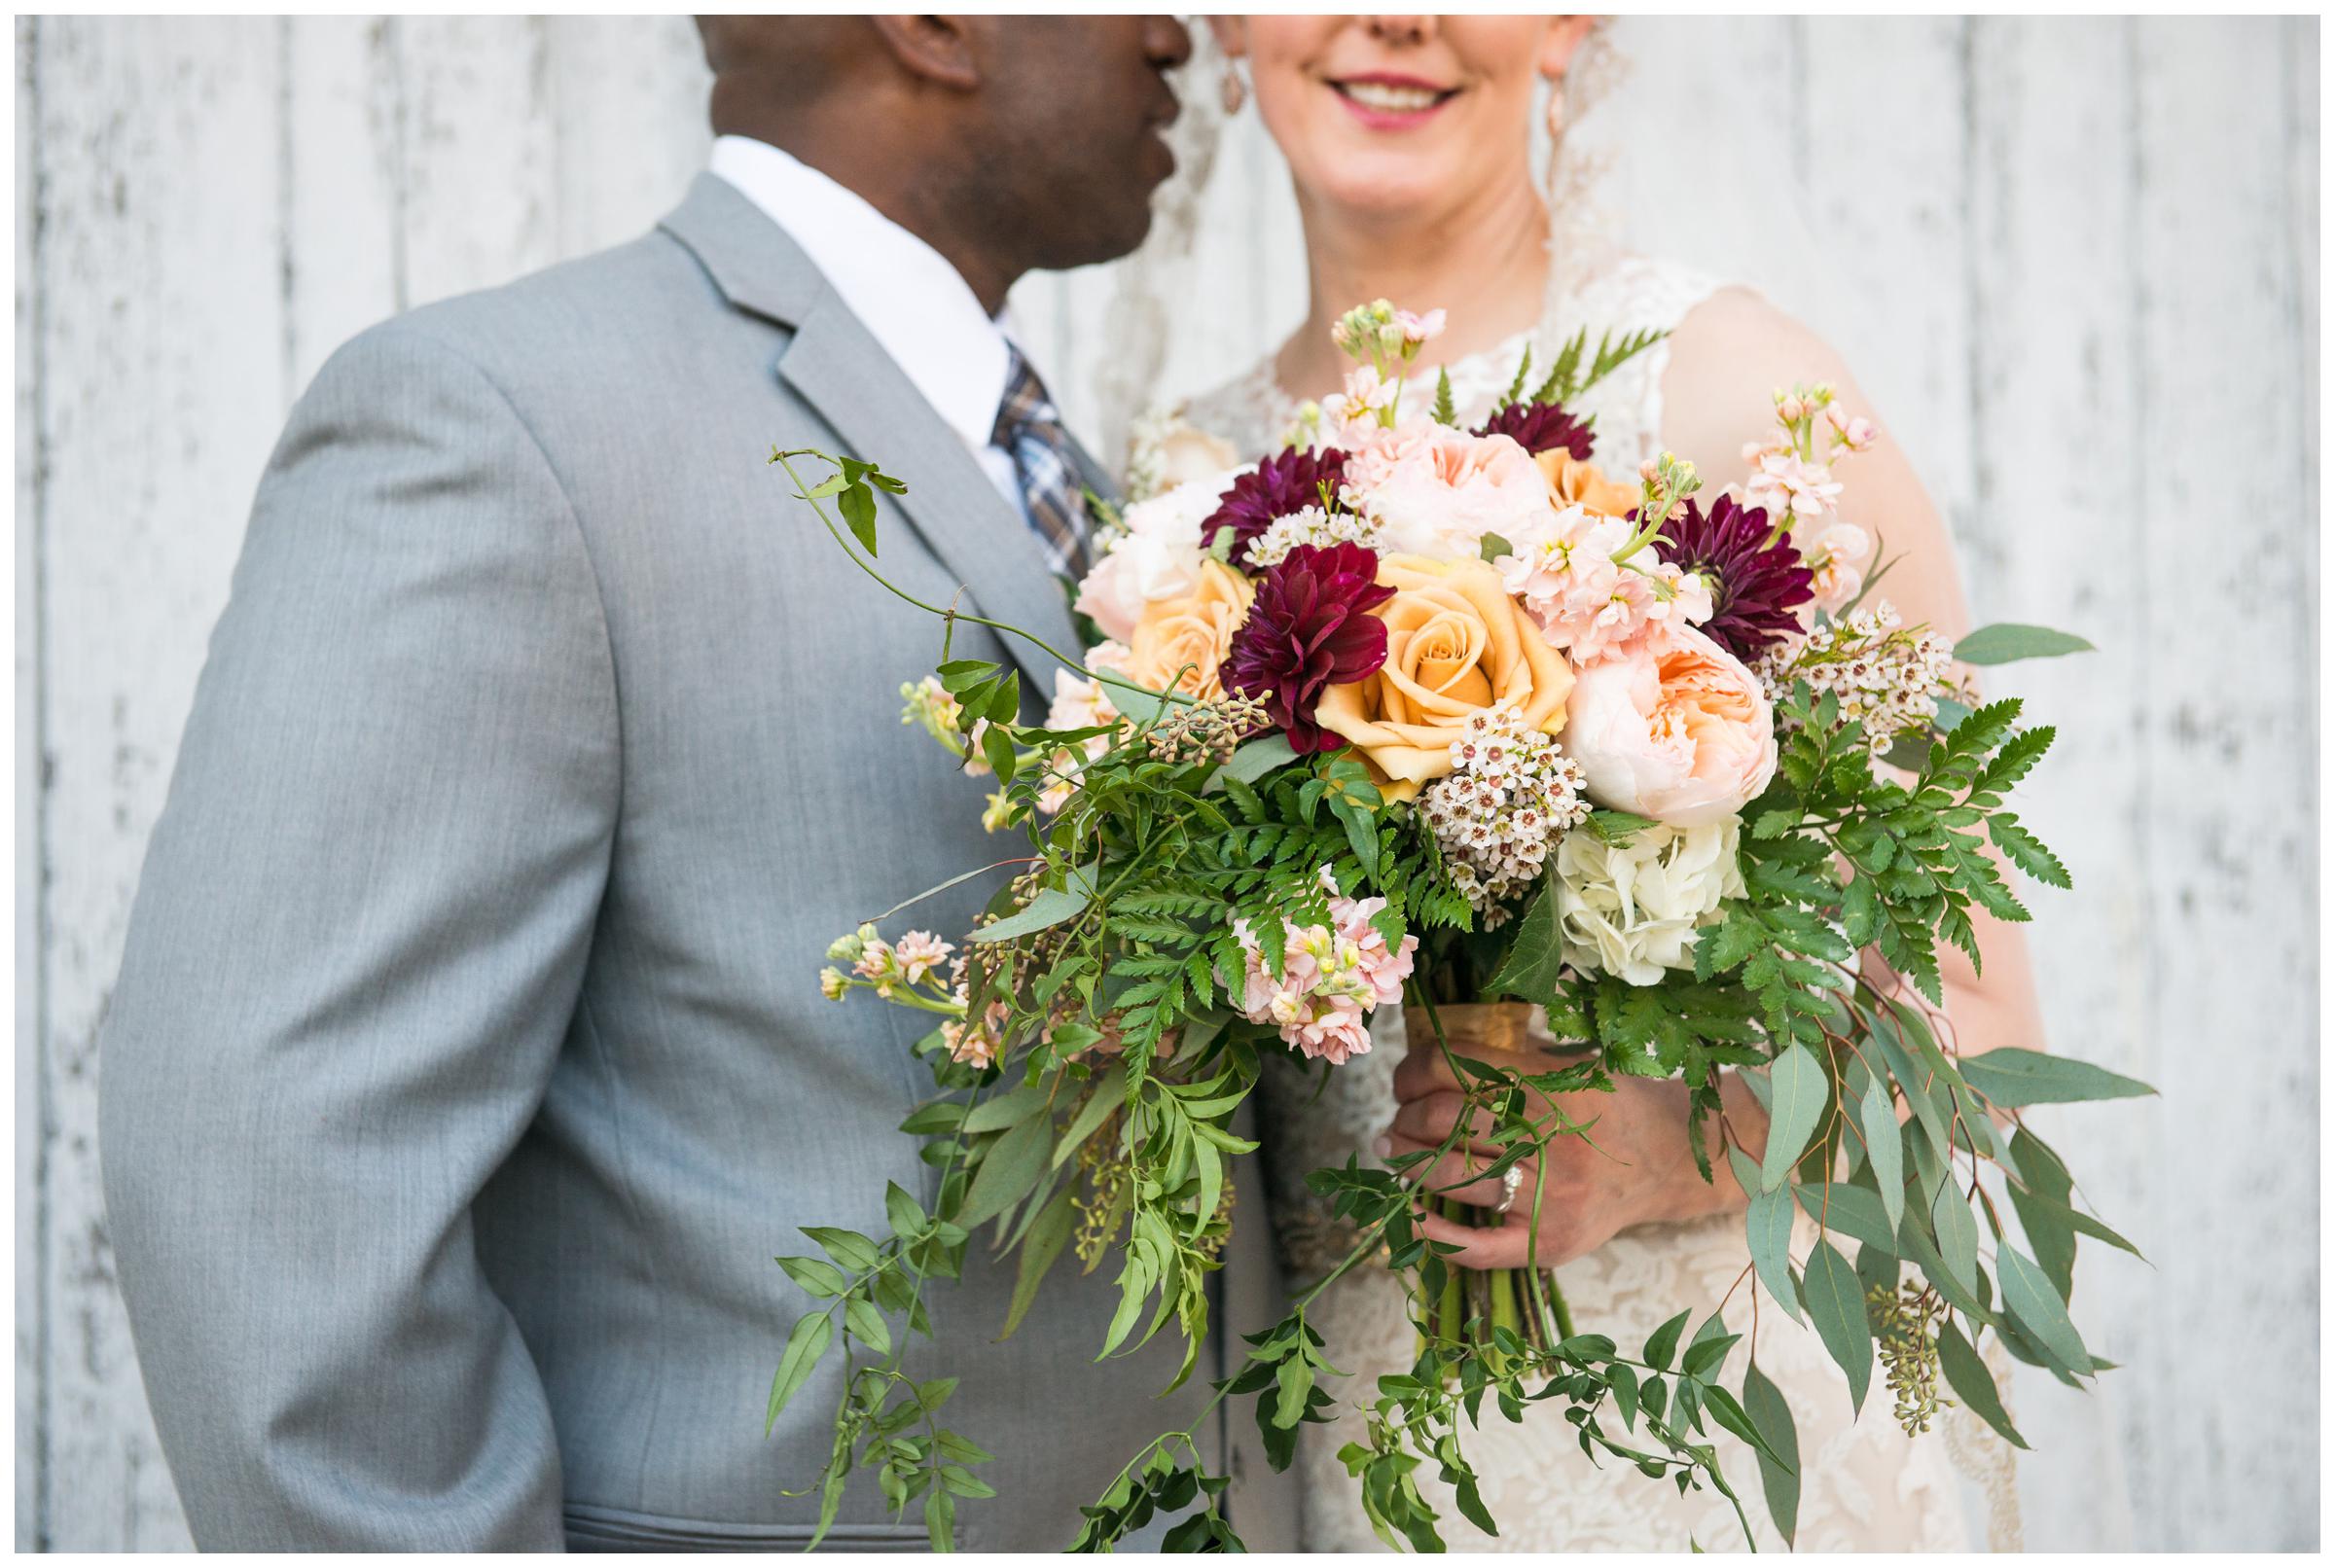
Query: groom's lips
[1383, 100]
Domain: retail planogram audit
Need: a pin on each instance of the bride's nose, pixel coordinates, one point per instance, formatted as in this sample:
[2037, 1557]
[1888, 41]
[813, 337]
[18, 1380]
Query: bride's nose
[1400, 30]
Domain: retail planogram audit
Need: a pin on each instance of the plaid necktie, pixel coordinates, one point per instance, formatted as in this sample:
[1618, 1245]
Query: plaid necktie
[1031, 427]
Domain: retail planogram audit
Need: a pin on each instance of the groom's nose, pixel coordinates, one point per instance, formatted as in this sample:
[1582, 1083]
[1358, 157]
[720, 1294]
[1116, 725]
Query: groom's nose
[1166, 43]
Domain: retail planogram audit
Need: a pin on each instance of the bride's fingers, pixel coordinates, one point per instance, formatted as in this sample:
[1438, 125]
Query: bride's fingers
[1429, 1119]
[1503, 1248]
[1458, 1174]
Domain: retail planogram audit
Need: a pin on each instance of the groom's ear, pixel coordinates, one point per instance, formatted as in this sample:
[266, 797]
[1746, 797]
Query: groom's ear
[936, 49]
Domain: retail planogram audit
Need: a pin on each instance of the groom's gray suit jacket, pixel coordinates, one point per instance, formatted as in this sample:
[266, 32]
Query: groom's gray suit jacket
[468, 1064]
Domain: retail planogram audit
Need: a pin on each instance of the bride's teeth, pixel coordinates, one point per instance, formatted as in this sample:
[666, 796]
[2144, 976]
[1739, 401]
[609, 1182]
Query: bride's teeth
[1392, 99]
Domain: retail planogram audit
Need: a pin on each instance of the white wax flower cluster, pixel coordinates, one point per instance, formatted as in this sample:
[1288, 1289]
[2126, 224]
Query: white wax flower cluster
[1510, 795]
[1309, 525]
[1886, 677]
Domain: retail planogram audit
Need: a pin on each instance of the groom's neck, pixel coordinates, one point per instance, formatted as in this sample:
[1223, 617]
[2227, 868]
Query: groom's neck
[914, 189]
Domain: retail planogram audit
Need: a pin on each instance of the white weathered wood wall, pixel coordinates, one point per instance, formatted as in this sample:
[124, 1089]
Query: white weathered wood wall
[2075, 263]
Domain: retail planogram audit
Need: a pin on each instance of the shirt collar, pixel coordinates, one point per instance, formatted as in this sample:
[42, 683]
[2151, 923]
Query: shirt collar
[906, 294]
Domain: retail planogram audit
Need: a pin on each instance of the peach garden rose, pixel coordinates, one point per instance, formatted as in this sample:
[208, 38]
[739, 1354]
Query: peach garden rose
[1456, 645]
[1682, 734]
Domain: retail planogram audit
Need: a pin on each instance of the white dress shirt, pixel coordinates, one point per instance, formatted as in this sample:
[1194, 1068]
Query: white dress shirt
[906, 292]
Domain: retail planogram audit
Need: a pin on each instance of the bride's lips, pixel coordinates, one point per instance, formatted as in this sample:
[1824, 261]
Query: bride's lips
[1383, 100]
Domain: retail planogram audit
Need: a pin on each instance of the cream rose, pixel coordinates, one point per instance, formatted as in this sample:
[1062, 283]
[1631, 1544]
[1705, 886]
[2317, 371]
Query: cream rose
[1682, 734]
[1183, 640]
[1156, 558]
[1187, 454]
[1632, 910]
[1456, 645]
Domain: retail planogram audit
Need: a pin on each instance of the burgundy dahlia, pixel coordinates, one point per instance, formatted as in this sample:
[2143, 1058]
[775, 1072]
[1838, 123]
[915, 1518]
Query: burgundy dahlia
[1540, 427]
[1755, 586]
[1309, 627]
[1279, 487]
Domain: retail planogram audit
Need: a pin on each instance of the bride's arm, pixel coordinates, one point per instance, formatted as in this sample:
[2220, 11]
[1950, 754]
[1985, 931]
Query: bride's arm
[1727, 358]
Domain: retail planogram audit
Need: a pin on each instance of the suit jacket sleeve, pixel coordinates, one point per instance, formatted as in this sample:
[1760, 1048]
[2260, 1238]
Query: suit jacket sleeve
[354, 954]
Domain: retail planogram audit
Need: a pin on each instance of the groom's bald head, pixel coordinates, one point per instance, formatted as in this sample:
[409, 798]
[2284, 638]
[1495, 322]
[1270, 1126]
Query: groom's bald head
[1007, 143]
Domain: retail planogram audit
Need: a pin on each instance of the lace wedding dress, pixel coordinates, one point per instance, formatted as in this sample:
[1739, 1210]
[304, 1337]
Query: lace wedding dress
[1865, 1485]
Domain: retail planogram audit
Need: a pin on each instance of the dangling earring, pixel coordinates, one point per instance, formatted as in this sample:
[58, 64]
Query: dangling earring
[1233, 89]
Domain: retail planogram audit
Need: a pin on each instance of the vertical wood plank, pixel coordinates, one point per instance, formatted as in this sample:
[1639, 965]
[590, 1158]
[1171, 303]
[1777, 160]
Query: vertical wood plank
[2231, 763]
[1693, 137]
[162, 381]
[342, 191]
[480, 176]
[2051, 312]
[628, 104]
[1887, 199]
[31, 880]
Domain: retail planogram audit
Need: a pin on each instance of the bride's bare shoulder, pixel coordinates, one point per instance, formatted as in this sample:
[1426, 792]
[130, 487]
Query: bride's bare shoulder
[1727, 358]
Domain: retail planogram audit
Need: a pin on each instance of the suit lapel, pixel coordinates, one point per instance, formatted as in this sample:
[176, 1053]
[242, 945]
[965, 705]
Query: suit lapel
[838, 368]
[842, 373]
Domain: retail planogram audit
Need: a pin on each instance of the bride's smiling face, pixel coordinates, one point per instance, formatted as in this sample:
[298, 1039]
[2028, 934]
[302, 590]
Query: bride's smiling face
[1399, 113]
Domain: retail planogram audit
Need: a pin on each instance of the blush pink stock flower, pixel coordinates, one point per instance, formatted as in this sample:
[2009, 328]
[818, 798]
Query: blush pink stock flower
[1587, 604]
[1332, 979]
[1781, 482]
[919, 954]
[1684, 735]
[1839, 555]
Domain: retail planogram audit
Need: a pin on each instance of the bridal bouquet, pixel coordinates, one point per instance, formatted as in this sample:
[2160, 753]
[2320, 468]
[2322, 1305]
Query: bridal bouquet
[1418, 715]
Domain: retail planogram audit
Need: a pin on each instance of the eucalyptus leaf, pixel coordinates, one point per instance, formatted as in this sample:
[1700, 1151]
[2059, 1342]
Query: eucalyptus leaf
[1957, 1230]
[2008, 641]
[1768, 1227]
[1853, 1211]
[1778, 1477]
[1966, 1374]
[2010, 1077]
[2028, 1296]
[1039, 1249]
[1001, 1111]
[1051, 907]
[1877, 1115]
[1105, 1098]
[1798, 1092]
[1008, 1171]
[1836, 1305]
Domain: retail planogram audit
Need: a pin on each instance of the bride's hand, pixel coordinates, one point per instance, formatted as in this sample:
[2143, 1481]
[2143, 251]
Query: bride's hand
[1632, 1168]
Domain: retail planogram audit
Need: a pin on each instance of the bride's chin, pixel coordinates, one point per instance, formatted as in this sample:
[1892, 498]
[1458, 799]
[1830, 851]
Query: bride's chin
[1396, 187]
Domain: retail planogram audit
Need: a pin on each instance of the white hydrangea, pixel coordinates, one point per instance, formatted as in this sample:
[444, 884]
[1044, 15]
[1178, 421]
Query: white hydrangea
[1632, 910]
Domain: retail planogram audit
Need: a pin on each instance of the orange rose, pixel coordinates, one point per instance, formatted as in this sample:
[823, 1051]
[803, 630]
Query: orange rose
[1183, 640]
[1582, 483]
[1456, 644]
